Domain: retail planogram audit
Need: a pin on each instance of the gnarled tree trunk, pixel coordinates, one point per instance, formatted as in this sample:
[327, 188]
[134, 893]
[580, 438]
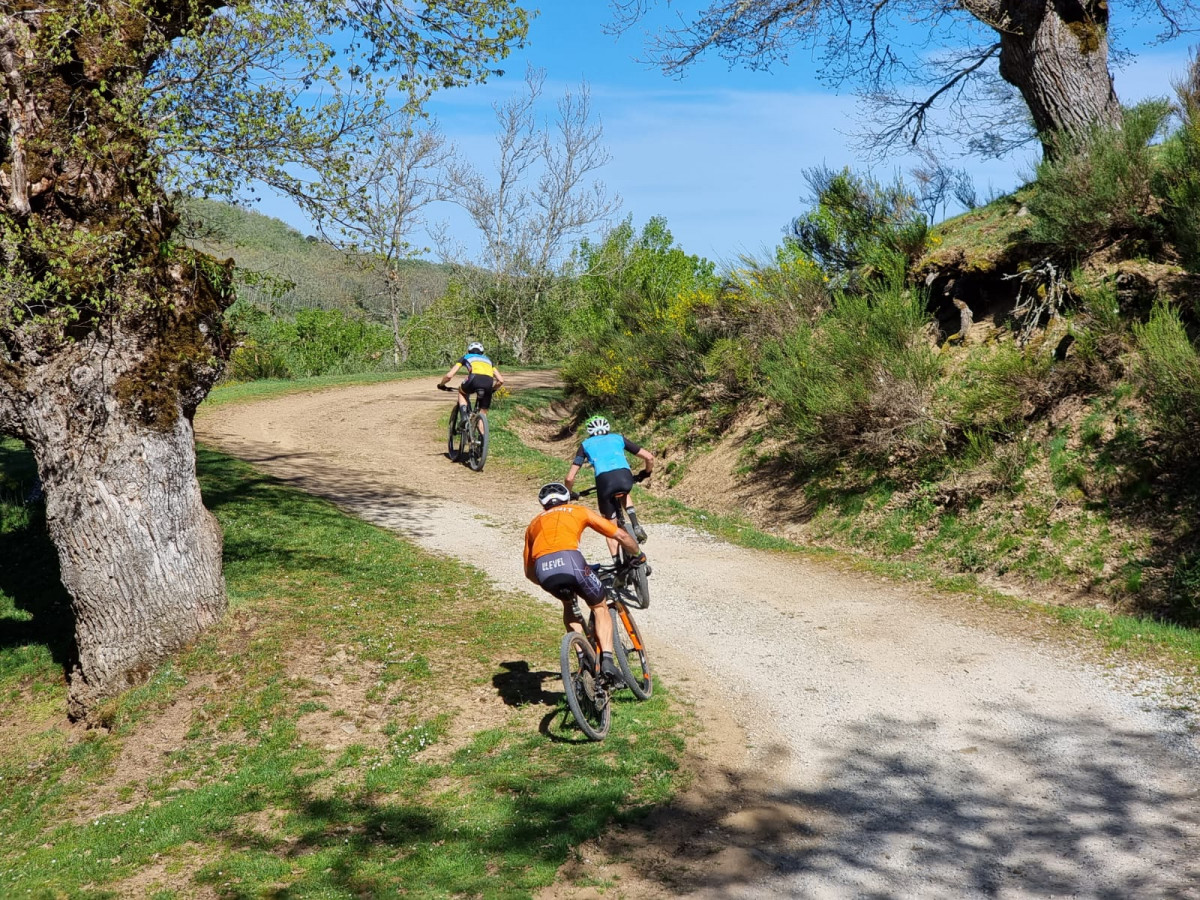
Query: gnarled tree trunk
[110, 335]
[138, 552]
[1055, 52]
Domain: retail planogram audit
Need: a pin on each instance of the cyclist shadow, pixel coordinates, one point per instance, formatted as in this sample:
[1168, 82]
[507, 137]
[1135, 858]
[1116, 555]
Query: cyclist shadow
[518, 685]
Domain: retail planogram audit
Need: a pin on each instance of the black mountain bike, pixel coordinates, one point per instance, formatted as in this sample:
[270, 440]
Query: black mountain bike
[588, 692]
[468, 441]
[637, 575]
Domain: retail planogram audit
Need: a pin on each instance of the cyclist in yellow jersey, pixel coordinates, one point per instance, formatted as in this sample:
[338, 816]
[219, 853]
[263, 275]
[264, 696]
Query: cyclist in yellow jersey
[482, 379]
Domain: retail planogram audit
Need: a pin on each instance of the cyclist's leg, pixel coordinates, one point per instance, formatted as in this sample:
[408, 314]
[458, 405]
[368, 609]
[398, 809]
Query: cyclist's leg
[464, 408]
[483, 402]
[635, 527]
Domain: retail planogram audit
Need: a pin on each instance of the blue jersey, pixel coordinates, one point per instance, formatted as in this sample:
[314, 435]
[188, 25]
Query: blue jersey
[606, 452]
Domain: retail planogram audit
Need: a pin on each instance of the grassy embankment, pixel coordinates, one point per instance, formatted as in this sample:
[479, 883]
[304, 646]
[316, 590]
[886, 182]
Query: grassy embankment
[359, 725]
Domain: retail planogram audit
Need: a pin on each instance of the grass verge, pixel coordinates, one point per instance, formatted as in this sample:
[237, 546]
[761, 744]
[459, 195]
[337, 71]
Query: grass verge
[361, 724]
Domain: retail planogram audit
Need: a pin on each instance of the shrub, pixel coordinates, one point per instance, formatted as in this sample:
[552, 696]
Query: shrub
[311, 342]
[1178, 182]
[1096, 189]
[999, 389]
[859, 228]
[1168, 371]
[859, 380]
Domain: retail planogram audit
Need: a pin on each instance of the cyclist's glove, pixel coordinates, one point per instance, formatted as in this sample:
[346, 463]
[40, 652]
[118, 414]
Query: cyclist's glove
[639, 560]
[641, 476]
[574, 495]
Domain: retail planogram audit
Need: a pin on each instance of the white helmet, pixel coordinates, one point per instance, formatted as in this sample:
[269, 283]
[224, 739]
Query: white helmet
[597, 425]
[553, 494]
[474, 347]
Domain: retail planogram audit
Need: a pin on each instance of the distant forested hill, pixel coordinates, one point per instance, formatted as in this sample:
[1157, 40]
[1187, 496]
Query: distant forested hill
[283, 268]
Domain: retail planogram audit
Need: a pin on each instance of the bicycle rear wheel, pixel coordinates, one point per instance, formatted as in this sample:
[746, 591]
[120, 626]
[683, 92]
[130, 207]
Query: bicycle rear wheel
[586, 698]
[641, 585]
[478, 447]
[455, 442]
[631, 654]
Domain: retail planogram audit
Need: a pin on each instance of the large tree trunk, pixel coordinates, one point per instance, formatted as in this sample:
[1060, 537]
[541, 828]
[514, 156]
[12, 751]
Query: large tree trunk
[1055, 52]
[139, 554]
[111, 334]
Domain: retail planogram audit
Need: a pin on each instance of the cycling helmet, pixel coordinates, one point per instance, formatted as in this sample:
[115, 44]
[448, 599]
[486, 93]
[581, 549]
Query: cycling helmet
[553, 494]
[597, 425]
[474, 347]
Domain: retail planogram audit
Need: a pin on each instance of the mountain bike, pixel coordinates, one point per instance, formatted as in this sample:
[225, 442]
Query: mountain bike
[588, 692]
[468, 441]
[628, 646]
[637, 574]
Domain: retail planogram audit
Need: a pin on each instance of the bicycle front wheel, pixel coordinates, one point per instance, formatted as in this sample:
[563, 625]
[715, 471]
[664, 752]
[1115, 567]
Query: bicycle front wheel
[477, 453]
[586, 698]
[631, 654]
[455, 442]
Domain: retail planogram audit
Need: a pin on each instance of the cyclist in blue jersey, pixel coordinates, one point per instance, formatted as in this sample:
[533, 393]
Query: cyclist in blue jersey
[605, 451]
[482, 379]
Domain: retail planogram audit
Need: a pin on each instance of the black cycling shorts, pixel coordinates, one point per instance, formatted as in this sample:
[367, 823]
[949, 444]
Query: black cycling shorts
[481, 385]
[567, 575]
[614, 481]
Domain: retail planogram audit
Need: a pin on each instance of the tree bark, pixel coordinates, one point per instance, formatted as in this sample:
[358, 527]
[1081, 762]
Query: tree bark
[138, 552]
[1055, 52]
[110, 335]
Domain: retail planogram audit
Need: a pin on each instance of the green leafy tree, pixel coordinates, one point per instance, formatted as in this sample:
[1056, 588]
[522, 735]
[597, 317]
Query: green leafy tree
[111, 331]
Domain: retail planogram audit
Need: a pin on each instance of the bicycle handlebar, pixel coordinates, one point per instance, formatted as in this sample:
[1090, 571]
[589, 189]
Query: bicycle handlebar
[444, 387]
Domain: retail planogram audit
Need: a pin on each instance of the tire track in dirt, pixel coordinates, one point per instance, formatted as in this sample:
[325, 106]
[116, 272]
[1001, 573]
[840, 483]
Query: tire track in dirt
[892, 747]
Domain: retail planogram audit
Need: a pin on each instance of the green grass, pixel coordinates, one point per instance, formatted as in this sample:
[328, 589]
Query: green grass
[329, 617]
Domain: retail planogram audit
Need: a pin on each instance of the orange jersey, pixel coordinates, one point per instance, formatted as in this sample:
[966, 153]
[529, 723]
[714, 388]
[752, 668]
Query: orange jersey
[560, 528]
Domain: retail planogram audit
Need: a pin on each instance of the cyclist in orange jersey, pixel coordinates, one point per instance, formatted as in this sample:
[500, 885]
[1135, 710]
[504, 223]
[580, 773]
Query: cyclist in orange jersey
[553, 561]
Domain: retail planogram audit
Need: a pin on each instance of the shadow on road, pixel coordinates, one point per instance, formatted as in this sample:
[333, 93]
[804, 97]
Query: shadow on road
[1051, 815]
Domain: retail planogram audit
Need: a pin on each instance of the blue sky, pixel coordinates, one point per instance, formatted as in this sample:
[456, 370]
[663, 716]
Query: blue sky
[720, 152]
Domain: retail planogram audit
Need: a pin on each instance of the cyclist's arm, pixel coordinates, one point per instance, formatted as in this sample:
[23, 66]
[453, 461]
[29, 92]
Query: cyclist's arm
[454, 368]
[569, 481]
[496, 376]
[648, 458]
[625, 539]
[529, 560]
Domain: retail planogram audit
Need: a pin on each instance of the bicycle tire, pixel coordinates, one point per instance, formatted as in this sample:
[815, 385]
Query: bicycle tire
[634, 663]
[477, 455]
[455, 440]
[641, 586]
[588, 701]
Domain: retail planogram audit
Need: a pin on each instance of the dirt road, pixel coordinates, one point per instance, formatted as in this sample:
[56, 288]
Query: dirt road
[893, 747]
